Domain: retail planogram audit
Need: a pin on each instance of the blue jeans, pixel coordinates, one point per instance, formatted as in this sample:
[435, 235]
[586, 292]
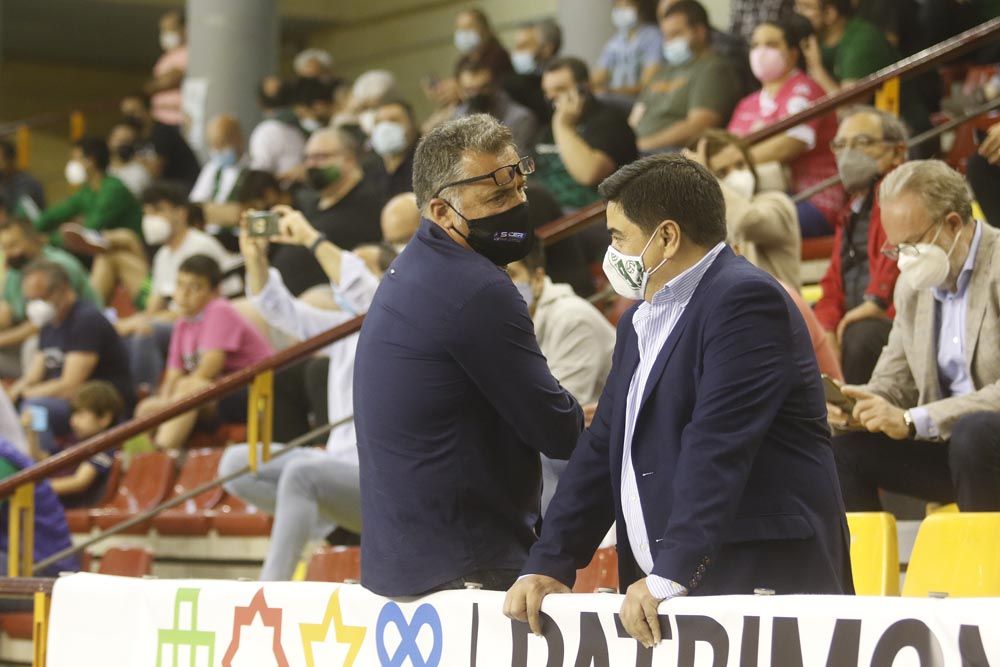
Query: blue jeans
[59, 411]
[811, 221]
[147, 355]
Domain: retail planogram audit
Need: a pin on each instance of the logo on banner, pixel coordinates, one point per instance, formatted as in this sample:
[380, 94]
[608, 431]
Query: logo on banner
[243, 617]
[392, 614]
[342, 634]
[177, 637]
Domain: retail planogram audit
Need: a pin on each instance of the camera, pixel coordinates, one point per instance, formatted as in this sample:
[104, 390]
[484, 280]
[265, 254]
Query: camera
[263, 223]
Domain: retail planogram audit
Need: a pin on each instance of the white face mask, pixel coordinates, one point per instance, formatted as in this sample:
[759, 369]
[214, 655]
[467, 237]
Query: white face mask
[170, 40]
[310, 124]
[627, 274]
[742, 181]
[677, 51]
[526, 293]
[523, 62]
[388, 138]
[76, 173]
[624, 18]
[156, 229]
[466, 40]
[930, 267]
[40, 312]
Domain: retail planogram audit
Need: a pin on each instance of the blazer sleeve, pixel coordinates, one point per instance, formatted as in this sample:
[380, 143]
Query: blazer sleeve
[746, 375]
[582, 510]
[892, 378]
[493, 339]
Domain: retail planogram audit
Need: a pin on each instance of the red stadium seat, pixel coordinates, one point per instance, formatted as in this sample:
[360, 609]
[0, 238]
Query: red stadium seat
[126, 562]
[18, 624]
[145, 484]
[335, 564]
[602, 572]
[190, 518]
[234, 517]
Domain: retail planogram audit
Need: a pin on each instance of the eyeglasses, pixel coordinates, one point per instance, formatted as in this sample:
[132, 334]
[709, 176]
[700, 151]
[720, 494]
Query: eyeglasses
[861, 141]
[909, 249]
[503, 176]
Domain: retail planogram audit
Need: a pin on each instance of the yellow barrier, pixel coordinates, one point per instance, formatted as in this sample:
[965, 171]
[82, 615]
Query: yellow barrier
[77, 126]
[22, 139]
[21, 549]
[40, 629]
[260, 417]
[887, 97]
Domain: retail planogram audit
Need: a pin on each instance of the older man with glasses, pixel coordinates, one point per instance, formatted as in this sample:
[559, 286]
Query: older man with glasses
[453, 400]
[927, 424]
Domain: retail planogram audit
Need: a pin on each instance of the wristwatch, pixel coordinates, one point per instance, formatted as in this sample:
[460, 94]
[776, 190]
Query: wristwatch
[315, 244]
[910, 424]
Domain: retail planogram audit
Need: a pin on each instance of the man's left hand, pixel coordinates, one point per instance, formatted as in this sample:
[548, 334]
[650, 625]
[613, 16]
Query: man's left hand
[568, 108]
[639, 614]
[877, 415]
[295, 229]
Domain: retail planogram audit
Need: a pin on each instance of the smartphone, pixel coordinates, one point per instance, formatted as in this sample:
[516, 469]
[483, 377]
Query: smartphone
[263, 223]
[39, 418]
[836, 397]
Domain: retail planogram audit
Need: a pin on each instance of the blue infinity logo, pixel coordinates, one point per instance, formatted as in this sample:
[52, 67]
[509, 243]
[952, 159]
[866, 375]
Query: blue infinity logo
[408, 631]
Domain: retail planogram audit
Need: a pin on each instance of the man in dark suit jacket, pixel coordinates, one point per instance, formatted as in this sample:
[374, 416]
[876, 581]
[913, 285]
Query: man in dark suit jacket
[453, 400]
[709, 446]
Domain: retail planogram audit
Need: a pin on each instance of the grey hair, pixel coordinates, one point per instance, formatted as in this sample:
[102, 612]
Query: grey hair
[347, 140]
[374, 86]
[55, 275]
[438, 160]
[550, 33]
[942, 189]
[893, 129]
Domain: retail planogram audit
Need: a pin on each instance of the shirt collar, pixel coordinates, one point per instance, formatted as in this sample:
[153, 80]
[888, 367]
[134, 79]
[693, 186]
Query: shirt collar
[681, 288]
[966, 274]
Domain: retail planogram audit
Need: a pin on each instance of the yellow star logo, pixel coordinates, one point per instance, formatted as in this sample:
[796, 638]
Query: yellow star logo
[343, 634]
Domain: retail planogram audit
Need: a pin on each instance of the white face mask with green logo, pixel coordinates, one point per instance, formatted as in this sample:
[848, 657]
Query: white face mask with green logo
[627, 274]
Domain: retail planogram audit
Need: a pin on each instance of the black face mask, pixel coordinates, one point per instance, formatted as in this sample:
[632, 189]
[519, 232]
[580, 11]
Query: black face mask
[320, 177]
[502, 237]
[17, 262]
[125, 152]
[481, 103]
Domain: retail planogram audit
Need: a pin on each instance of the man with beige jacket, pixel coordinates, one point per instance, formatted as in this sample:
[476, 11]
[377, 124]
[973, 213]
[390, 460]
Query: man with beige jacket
[928, 422]
[574, 337]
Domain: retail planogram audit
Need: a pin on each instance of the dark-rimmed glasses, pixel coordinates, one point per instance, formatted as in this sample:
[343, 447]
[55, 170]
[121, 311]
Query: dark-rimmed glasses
[503, 176]
[861, 141]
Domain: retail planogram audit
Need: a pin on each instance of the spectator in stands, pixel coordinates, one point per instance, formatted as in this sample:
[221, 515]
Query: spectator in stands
[164, 88]
[368, 93]
[400, 220]
[313, 63]
[310, 492]
[394, 139]
[746, 15]
[587, 139]
[695, 90]
[481, 93]
[631, 58]
[166, 226]
[125, 162]
[535, 44]
[76, 343]
[312, 104]
[22, 246]
[575, 339]
[984, 174]
[487, 402]
[856, 305]
[341, 202]
[278, 141]
[775, 58]
[260, 191]
[21, 193]
[101, 201]
[929, 419]
[162, 148]
[478, 43]
[209, 340]
[51, 534]
[96, 407]
[226, 165]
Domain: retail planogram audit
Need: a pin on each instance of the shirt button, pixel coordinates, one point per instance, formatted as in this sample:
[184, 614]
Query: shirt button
[392, 271]
[955, 340]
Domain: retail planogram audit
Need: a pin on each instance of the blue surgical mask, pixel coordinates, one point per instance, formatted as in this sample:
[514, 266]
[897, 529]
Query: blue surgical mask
[624, 18]
[225, 158]
[523, 62]
[677, 51]
[526, 293]
[466, 40]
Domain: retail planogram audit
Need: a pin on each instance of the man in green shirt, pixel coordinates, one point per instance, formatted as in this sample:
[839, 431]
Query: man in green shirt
[22, 245]
[101, 202]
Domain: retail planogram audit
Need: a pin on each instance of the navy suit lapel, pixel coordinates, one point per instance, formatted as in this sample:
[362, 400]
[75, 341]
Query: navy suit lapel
[629, 362]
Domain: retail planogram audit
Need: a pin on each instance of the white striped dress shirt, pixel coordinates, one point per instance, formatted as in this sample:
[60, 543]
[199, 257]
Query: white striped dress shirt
[653, 321]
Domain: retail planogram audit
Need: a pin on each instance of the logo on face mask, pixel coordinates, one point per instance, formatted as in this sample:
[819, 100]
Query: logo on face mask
[627, 273]
[502, 238]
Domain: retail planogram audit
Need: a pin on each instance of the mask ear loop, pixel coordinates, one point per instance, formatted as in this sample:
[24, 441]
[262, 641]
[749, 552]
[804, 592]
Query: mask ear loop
[645, 248]
[464, 219]
[954, 243]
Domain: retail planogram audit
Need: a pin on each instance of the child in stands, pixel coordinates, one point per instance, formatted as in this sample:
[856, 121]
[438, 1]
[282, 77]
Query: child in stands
[96, 407]
[210, 340]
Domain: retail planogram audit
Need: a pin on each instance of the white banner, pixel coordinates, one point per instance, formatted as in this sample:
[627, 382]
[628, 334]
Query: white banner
[99, 620]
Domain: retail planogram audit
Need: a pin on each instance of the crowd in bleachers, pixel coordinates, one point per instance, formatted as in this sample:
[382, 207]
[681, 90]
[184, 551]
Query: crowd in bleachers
[147, 283]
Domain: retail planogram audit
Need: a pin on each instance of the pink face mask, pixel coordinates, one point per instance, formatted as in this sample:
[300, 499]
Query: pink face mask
[767, 63]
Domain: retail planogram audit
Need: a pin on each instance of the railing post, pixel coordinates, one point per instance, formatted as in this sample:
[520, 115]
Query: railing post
[77, 126]
[21, 551]
[22, 138]
[40, 629]
[260, 418]
[887, 97]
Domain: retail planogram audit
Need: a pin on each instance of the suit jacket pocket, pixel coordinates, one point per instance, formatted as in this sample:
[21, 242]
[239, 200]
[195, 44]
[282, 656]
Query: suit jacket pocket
[768, 527]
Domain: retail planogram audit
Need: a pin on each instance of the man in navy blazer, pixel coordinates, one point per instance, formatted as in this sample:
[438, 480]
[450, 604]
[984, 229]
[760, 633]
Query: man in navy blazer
[453, 400]
[710, 446]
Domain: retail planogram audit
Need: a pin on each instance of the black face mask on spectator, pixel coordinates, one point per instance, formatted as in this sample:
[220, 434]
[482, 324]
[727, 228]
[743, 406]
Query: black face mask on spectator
[125, 152]
[17, 262]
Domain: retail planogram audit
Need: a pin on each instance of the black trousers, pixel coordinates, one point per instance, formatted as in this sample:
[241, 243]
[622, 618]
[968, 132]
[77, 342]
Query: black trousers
[966, 468]
[860, 348]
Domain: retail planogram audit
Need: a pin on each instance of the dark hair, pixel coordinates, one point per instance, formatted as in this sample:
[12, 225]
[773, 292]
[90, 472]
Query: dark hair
[404, 105]
[717, 139]
[535, 259]
[579, 69]
[202, 266]
[795, 29]
[306, 92]
[693, 12]
[670, 187]
[165, 192]
[99, 397]
[481, 18]
[95, 149]
[844, 7]
[253, 185]
[280, 99]
[473, 65]
[55, 273]
[8, 149]
[549, 32]
[18, 222]
[196, 215]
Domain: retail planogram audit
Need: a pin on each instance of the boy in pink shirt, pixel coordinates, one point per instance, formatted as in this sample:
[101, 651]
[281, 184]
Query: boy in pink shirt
[209, 341]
